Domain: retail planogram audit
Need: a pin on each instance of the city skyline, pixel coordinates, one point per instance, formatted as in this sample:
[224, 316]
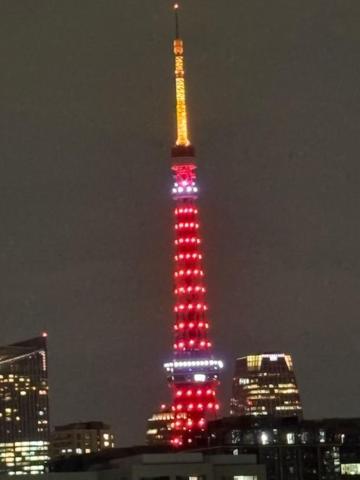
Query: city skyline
[86, 233]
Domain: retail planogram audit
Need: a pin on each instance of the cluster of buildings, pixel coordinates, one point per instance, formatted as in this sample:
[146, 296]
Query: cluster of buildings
[265, 419]
[264, 435]
[264, 385]
[26, 443]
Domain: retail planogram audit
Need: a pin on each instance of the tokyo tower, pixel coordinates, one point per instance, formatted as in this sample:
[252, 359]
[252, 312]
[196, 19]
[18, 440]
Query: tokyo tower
[193, 374]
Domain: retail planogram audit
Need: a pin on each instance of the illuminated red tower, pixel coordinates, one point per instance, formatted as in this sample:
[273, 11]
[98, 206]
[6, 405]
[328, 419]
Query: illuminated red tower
[193, 372]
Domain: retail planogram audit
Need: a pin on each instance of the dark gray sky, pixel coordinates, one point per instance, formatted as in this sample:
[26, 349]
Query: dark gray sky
[86, 124]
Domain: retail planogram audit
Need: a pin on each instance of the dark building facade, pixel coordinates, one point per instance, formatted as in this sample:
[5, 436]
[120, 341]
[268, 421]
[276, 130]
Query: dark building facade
[24, 407]
[265, 384]
[291, 448]
[81, 437]
[146, 463]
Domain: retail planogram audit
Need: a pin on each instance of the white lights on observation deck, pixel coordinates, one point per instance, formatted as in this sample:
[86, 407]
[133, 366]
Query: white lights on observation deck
[216, 364]
[184, 188]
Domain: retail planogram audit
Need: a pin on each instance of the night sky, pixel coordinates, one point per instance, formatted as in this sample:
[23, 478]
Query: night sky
[86, 125]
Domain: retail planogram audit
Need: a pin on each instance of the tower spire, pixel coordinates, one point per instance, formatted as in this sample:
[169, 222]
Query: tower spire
[182, 138]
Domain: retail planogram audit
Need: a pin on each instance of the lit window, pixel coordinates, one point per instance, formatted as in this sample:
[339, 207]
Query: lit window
[350, 469]
[290, 438]
[244, 381]
[245, 477]
[264, 438]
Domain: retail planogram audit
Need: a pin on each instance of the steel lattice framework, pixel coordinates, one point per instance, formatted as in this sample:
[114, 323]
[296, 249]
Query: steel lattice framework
[193, 373]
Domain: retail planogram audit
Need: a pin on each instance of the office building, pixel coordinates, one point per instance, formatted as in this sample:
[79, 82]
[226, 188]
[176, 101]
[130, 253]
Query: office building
[24, 407]
[159, 431]
[292, 448]
[265, 384]
[81, 437]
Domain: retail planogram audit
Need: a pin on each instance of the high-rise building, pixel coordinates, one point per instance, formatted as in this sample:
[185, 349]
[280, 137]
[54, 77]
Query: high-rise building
[193, 372]
[265, 384]
[79, 438]
[24, 407]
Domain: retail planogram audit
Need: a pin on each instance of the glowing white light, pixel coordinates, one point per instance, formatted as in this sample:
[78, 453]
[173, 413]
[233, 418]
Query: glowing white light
[216, 364]
[200, 377]
[273, 357]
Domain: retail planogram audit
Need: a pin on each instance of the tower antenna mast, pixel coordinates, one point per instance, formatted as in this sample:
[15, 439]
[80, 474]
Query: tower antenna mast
[181, 110]
[177, 31]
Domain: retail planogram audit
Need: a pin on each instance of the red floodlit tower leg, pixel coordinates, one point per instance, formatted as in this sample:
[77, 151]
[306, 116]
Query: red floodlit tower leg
[193, 372]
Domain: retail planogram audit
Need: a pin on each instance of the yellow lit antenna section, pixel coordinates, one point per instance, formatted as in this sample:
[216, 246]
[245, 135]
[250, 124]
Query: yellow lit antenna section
[181, 112]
